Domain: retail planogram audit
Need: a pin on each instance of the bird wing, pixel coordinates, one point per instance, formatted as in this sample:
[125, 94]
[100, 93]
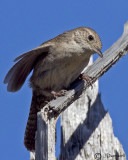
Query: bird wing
[17, 75]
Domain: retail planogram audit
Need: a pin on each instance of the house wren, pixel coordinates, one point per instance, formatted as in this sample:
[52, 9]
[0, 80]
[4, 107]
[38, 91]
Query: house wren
[55, 64]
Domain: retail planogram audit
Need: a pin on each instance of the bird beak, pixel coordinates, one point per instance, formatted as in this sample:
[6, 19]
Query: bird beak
[98, 51]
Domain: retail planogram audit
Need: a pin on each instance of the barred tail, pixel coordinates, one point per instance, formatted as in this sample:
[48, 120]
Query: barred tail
[29, 137]
[38, 101]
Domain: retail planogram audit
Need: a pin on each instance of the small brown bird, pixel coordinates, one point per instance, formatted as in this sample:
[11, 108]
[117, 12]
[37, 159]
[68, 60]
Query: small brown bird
[55, 64]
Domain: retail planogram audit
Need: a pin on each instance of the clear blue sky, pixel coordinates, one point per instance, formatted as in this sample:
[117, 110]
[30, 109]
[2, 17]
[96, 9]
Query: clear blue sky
[26, 24]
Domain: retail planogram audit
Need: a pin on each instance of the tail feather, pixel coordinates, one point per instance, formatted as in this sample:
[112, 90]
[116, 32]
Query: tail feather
[38, 101]
[29, 137]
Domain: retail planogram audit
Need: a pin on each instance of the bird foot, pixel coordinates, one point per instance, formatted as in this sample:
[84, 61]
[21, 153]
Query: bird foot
[87, 78]
[58, 94]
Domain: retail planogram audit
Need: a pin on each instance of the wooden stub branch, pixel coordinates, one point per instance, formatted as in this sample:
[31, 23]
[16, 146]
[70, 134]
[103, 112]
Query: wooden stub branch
[45, 137]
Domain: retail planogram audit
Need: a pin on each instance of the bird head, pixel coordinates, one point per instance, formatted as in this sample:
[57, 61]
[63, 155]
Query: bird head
[88, 39]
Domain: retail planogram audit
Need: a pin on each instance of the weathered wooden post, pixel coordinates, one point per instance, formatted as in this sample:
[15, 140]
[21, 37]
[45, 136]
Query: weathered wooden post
[87, 132]
[45, 137]
[96, 119]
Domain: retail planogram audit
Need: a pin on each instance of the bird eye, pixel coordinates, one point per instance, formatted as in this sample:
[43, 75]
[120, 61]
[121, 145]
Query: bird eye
[90, 37]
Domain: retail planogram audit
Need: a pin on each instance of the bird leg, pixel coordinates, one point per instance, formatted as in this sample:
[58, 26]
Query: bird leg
[58, 94]
[87, 78]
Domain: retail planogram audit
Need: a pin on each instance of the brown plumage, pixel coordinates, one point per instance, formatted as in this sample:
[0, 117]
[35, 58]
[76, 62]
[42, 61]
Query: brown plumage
[55, 64]
[38, 100]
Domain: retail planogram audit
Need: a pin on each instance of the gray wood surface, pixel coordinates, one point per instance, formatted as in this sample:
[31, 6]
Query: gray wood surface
[45, 137]
[87, 132]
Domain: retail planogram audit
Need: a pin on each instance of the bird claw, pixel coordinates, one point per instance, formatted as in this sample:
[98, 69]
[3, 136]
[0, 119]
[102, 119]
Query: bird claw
[88, 79]
[58, 94]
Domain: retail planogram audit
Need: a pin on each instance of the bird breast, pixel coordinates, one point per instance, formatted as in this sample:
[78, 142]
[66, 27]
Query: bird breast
[58, 73]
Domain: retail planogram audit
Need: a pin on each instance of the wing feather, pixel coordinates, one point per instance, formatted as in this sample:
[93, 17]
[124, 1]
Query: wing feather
[19, 72]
